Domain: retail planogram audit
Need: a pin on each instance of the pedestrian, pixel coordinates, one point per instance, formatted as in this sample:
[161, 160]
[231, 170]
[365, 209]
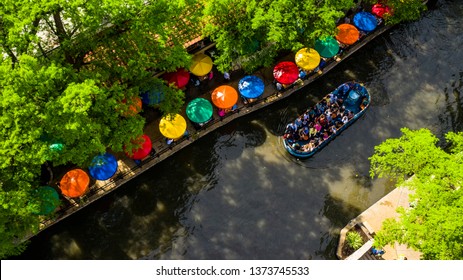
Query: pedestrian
[211, 75]
[226, 76]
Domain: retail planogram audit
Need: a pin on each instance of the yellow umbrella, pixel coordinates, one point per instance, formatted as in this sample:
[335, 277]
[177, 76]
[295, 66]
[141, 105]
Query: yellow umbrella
[172, 127]
[307, 59]
[201, 65]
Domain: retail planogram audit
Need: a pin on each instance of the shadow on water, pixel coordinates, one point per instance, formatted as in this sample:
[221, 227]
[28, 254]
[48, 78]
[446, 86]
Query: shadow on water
[237, 194]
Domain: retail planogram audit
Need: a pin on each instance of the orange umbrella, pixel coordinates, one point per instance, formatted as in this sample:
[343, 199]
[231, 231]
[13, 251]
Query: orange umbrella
[347, 34]
[74, 183]
[224, 97]
[135, 104]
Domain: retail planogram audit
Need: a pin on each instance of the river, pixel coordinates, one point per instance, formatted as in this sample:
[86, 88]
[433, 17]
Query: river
[237, 194]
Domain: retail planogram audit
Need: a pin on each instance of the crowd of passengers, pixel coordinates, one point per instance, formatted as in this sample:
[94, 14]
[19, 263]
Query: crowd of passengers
[318, 123]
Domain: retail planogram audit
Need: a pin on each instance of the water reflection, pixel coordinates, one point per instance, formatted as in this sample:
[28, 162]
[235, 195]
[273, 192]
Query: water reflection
[236, 194]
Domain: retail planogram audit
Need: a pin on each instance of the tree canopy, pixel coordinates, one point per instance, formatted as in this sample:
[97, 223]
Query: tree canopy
[433, 225]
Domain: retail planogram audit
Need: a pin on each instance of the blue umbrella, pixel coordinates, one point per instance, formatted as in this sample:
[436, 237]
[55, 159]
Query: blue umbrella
[365, 21]
[153, 96]
[103, 167]
[251, 86]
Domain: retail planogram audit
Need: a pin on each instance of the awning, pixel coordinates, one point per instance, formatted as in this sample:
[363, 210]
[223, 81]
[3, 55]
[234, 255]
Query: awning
[365, 21]
[103, 167]
[307, 59]
[224, 97]
[172, 127]
[347, 34]
[327, 47]
[251, 86]
[201, 65]
[74, 183]
[145, 147]
[286, 72]
[199, 110]
[179, 78]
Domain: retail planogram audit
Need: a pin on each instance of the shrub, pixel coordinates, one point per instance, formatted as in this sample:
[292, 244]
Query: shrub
[354, 240]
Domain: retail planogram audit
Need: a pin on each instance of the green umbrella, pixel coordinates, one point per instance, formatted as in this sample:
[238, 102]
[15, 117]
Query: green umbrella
[327, 47]
[48, 199]
[199, 110]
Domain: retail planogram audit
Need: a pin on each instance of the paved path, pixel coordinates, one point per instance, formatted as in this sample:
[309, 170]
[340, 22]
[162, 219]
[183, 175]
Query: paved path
[383, 209]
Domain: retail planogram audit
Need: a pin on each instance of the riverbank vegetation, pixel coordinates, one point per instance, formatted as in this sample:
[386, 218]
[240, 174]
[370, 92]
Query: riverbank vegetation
[69, 69]
[433, 225]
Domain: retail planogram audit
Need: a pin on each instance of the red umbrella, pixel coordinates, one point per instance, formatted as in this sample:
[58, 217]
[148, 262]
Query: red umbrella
[381, 9]
[145, 148]
[179, 78]
[286, 72]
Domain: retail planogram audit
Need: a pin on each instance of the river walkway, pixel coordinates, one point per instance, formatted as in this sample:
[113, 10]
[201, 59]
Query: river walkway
[129, 169]
[372, 220]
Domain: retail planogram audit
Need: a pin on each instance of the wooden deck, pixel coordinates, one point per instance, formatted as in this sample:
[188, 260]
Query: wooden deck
[128, 169]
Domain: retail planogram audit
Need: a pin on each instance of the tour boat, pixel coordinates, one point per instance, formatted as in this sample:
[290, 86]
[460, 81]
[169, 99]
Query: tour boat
[321, 123]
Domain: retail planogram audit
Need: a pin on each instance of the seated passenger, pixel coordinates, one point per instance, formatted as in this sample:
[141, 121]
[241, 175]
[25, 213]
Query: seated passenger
[333, 129]
[296, 146]
[291, 128]
[345, 119]
[364, 103]
[312, 132]
[308, 147]
[323, 121]
[350, 115]
[298, 122]
[325, 135]
[303, 134]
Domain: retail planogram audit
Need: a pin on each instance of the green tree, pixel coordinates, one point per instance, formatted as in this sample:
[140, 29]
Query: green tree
[228, 24]
[434, 225]
[293, 24]
[16, 217]
[251, 33]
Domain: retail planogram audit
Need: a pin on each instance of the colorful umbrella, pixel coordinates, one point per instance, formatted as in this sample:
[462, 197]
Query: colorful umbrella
[172, 127]
[381, 9]
[48, 199]
[199, 110]
[74, 183]
[144, 150]
[201, 65]
[307, 59]
[103, 167]
[251, 86]
[365, 21]
[327, 47]
[286, 72]
[347, 34]
[179, 78]
[153, 96]
[135, 105]
[224, 97]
